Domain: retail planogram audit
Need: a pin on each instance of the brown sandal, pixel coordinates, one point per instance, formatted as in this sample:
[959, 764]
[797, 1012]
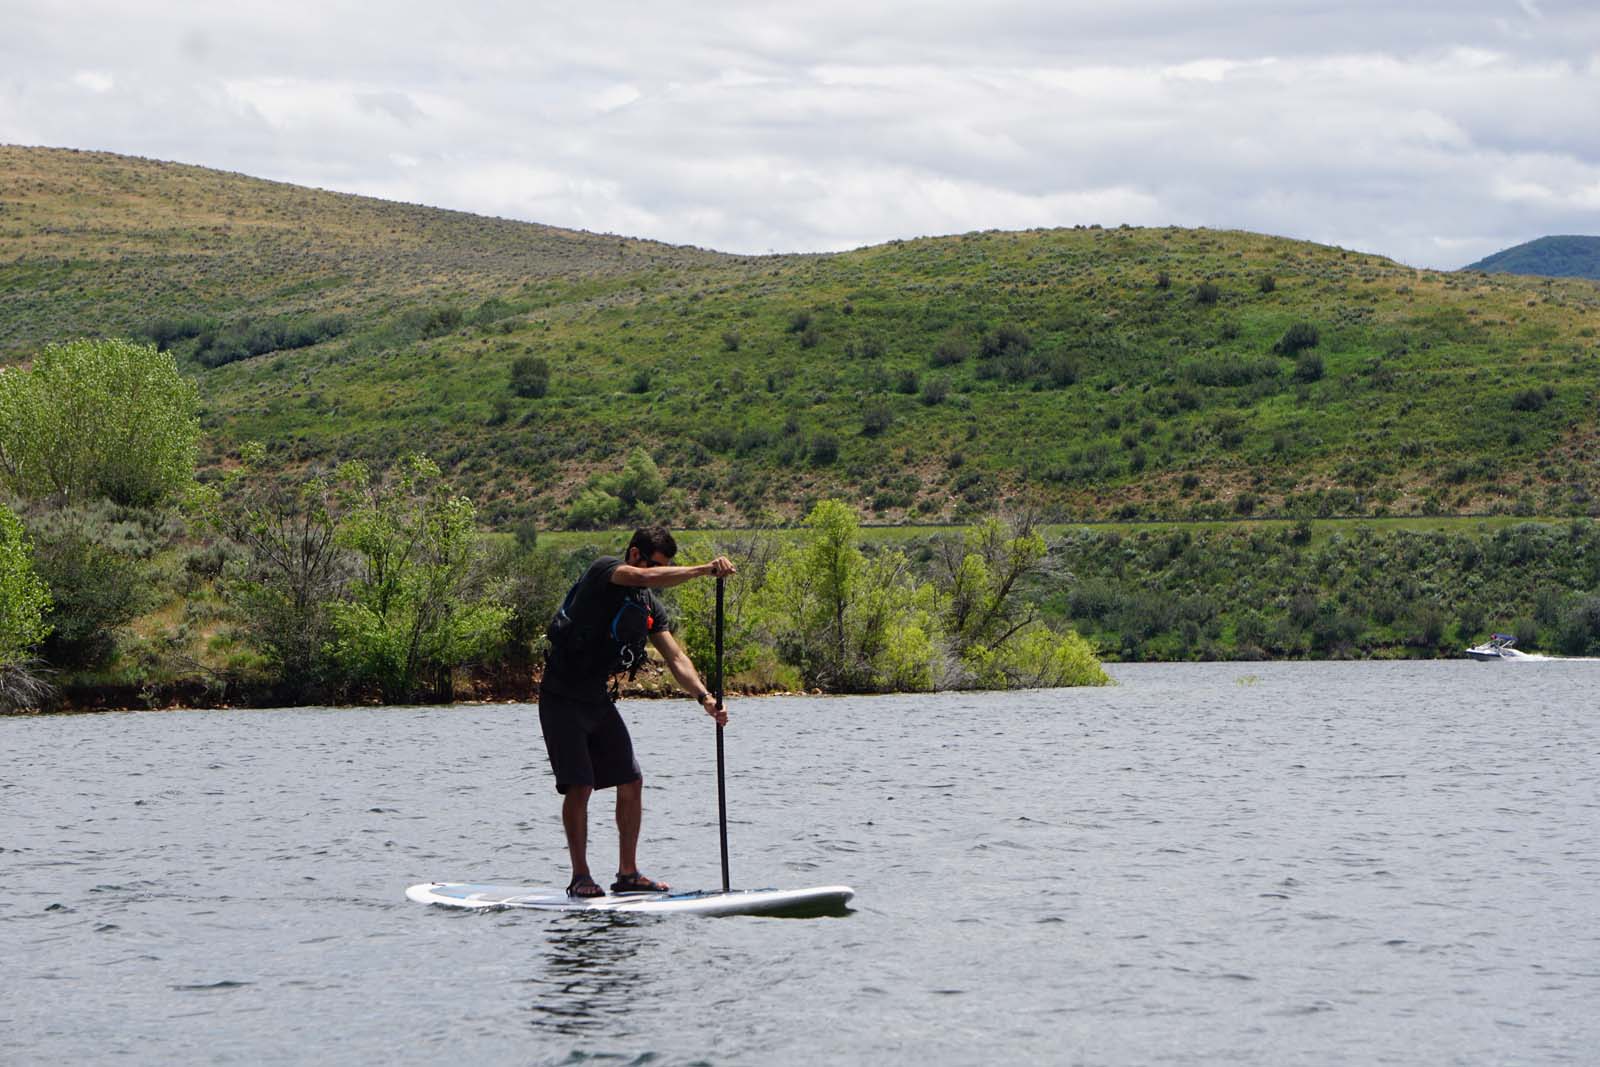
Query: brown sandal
[637, 883]
[584, 887]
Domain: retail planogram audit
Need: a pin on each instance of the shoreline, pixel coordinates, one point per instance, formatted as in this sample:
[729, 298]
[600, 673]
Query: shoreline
[478, 691]
[198, 695]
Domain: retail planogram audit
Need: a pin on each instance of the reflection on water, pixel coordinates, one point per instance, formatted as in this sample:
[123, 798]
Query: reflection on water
[587, 975]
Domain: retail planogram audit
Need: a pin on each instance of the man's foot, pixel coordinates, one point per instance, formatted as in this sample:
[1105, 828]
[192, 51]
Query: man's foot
[583, 886]
[637, 883]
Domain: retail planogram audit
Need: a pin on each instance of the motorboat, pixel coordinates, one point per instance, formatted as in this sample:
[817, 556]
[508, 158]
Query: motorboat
[1498, 647]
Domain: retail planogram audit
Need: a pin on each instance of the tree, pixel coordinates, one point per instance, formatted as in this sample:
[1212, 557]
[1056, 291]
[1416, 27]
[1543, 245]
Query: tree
[992, 631]
[24, 598]
[414, 615]
[106, 418]
[626, 495]
[849, 623]
[292, 567]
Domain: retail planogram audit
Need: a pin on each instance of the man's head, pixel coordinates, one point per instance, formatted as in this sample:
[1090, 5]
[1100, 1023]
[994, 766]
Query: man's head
[655, 546]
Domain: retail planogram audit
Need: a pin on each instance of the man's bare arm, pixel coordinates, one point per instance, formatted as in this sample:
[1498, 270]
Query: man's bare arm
[683, 671]
[664, 577]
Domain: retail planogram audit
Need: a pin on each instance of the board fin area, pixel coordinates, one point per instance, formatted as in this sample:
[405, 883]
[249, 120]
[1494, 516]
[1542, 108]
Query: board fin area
[812, 902]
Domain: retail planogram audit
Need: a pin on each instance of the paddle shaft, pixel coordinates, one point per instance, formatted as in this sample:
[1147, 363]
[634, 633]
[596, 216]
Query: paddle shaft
[722, 785]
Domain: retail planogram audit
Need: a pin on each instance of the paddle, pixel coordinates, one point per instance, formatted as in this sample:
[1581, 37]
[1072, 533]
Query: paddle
[722, 788]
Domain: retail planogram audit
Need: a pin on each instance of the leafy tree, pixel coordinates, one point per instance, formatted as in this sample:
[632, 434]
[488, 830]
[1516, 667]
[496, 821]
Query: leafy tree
[639, 483]
[626, 495]
[592, 509]
[414, 615]
[993, 631]
[24, 597]
[849, 623]
[292, 567]
[531, 581]
[1579, 634]
[105, 418]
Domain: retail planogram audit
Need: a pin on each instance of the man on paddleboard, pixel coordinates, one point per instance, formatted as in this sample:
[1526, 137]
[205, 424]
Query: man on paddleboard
[599, 633]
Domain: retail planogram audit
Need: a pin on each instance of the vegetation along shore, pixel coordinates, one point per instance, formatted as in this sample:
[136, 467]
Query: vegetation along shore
[343, 449]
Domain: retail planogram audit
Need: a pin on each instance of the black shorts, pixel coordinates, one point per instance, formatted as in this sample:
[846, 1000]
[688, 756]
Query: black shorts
[587, 741]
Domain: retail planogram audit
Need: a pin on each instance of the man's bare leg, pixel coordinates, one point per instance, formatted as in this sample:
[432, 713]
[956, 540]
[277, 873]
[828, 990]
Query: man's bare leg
[575, 821]
[630, 813]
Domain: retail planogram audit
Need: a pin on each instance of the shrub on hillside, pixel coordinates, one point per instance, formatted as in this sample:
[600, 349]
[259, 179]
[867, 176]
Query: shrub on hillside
[245, 340]
[1007, 341]
[1061, 370]
[1229, 371]
[166, 332]
[94, 591]
[1532, 399]
[427, 323]
[950, 351]
[1296, 339]
[530, 376]
[1308, 368]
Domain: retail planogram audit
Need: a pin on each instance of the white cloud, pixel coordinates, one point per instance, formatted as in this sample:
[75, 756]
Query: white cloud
[1420, 131]
[95, 81]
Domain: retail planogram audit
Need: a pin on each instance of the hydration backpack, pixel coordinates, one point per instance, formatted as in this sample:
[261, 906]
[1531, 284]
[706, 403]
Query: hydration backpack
[617, 646]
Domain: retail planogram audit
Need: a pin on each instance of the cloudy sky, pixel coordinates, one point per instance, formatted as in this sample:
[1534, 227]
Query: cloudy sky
[1431, 132]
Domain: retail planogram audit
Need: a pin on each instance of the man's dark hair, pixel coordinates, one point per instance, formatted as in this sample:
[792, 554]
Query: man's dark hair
[652, 539]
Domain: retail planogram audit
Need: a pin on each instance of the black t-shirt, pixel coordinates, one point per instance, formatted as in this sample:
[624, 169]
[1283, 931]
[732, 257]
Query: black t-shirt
[596, 602]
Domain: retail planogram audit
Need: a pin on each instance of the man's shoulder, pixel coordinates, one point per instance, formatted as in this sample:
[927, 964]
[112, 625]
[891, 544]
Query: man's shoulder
[602, 568]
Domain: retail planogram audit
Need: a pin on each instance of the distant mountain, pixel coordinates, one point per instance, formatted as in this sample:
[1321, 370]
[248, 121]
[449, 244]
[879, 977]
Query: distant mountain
[1550, 257]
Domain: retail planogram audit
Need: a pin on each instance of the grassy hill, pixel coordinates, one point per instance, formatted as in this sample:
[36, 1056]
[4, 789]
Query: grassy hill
[1551, 257]
[1101, 373]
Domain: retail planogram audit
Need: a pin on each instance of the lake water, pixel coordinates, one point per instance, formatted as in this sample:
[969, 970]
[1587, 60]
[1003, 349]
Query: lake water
[1212, 863]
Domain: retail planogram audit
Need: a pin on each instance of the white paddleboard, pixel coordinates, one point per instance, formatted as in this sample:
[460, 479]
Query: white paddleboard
[815, 901]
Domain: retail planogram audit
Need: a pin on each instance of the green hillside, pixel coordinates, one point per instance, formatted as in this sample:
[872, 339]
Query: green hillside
[1101, 373]
[1551, 257]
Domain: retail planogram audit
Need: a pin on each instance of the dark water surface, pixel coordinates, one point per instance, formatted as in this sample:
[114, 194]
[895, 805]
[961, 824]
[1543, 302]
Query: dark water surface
[1219, 863]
